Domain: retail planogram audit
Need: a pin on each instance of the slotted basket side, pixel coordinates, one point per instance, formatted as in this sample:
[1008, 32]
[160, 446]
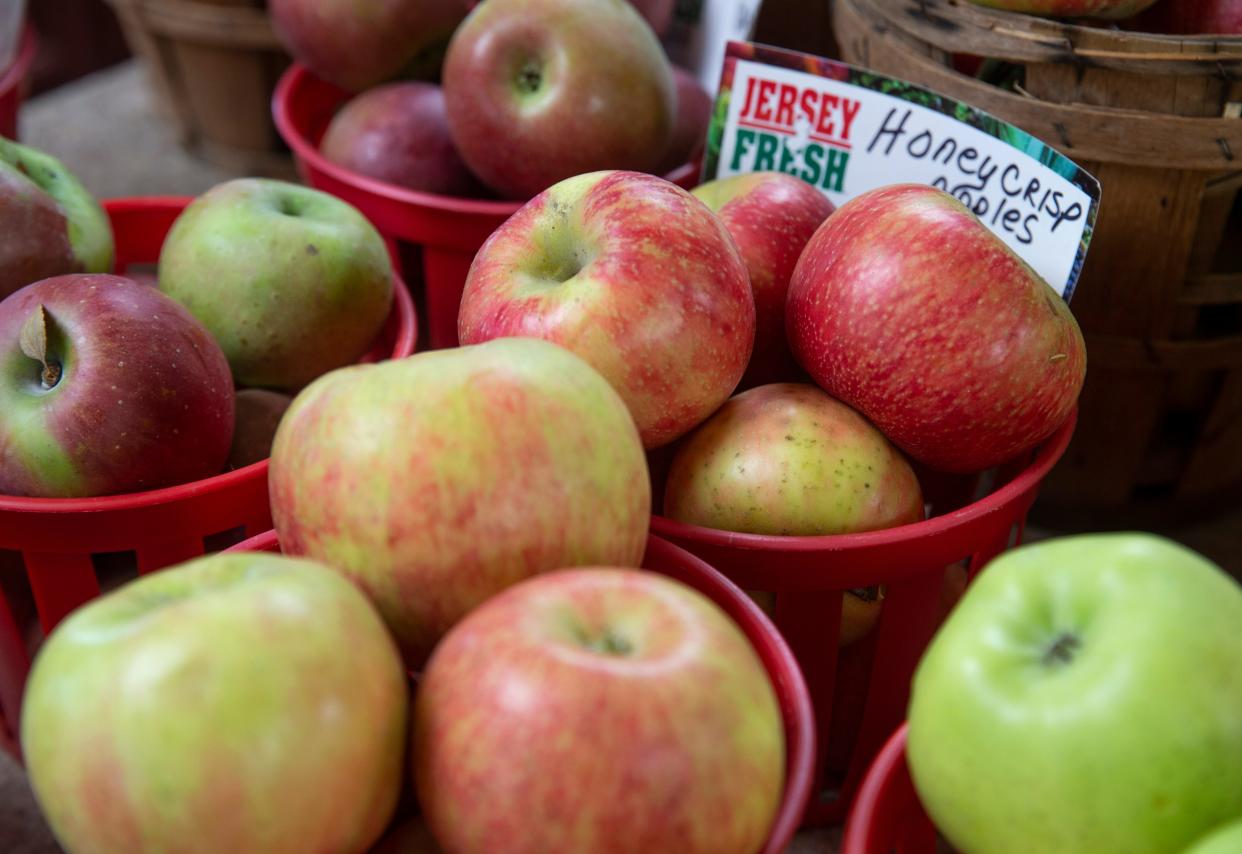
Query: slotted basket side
[213, 66]
[1155, 118]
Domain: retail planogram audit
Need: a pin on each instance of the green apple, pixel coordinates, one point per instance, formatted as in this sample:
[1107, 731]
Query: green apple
[292, 282]
[1084, 696]
[1223, 840]
[239, 703]
[49, 224]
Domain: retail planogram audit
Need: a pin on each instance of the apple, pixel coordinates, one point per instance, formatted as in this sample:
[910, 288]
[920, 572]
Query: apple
[1083, 697]
[258, 415]
[657, 13]
[541, 90]
[292, 282]
[1194, 17]
[436, 481]
[771, 217]
[241, 702]
[598, 710]
[691, 118]
[49, 224]
[359, 43]
[398, 133]
[634, 275]
[1105, 9]
[860, 611]
[788, 460]
[907, 308]
[107, 386]
[1225, 840]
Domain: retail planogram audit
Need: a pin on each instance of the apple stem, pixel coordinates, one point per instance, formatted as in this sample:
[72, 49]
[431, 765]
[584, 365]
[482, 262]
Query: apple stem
[1062, 650]
[33, 341]
[530, 77]
[610, 644]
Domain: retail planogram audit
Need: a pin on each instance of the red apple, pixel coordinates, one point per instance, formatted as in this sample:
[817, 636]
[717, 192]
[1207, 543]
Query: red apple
[358, 43]
[634, 275]
[258, 415]
[107, 386]
[1194, 17]
[600, 710]
[435, 481]
[398, 133]
[1109, 9]
[691, 117]
[657, 13]
[771, 217]
[540, 90]
[906, 307]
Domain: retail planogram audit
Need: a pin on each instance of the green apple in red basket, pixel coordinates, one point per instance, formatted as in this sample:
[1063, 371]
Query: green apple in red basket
[1084, 697]
[1107, 9]
[292, 282]
[107, 386]
[598, 710]
[49, 224]
[906, 307]
[241, 702]
[359, 43]
[634, 275]
[398, 133]
[788, 460]
[540, 90]
[771, 217]
[435, 481]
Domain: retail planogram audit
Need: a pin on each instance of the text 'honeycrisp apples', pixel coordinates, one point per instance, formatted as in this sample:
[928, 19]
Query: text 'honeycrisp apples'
[847, 131]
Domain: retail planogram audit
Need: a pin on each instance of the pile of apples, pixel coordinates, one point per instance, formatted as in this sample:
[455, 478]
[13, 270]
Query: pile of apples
[110, 385]
[534, 91]
[1176, 17]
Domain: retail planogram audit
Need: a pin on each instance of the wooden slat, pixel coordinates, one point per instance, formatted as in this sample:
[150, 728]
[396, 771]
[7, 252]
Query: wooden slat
[1216, 462]
[1117, 353]
[1213, 289]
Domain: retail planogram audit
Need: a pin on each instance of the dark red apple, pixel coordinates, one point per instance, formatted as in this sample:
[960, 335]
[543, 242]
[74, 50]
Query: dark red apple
[906, 307]
[258, 415]
[770, 217]
[398, 133]
[690, 120]
[1193, 17]
[107, 386]
[358, 43]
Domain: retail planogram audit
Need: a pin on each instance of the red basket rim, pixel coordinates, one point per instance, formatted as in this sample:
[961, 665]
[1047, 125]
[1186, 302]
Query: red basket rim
[784, 672]
[868, 806]
[403, 305]
[1029, 478]
[27, 47]
[295, 77]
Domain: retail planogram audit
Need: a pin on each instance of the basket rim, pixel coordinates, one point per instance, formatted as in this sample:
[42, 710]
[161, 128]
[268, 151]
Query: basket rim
[27, 47]
[785, 674]
[1047, 455]
[403, 309]
[872, 793]
[294, 81]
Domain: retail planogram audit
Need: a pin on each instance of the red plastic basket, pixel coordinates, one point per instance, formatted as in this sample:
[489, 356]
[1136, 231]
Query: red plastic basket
[887, 816]
[438, 235]
[49, 547]
[13, 80]
[860, 692]
[664, 557]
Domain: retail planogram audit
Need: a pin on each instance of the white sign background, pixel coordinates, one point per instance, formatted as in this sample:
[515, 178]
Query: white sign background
[1037, 212]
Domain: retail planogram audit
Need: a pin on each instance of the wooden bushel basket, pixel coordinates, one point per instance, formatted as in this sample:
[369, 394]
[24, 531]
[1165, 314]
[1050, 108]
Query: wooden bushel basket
[1160, 300]
[214, 65]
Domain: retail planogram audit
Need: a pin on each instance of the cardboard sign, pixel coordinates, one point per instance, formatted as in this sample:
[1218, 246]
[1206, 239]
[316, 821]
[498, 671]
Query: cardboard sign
[846, 131]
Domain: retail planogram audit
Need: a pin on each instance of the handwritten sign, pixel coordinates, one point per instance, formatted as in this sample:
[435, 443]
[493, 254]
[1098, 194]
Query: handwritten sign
[846, 131]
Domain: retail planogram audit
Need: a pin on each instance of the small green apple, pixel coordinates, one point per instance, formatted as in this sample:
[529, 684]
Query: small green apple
[50, 224]
[238, 703]
[292, 282]
[1084, 696]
